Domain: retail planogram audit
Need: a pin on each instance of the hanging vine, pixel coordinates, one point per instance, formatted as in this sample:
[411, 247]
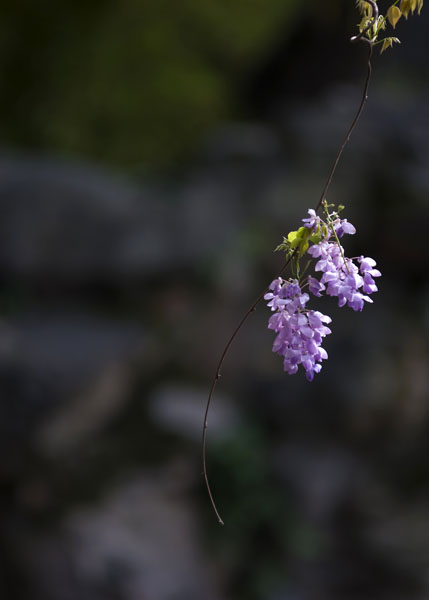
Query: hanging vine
[318, 242]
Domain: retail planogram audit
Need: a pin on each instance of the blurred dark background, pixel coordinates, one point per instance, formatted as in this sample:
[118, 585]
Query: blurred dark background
[152, 156]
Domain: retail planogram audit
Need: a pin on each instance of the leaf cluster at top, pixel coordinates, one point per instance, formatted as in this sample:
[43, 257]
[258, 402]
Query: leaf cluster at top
[400, 8]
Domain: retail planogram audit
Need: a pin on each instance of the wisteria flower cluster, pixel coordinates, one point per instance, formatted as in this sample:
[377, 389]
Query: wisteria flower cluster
[300, 330]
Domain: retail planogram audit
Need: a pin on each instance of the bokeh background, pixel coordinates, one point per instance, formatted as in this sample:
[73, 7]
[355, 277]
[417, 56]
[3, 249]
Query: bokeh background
[152, 156]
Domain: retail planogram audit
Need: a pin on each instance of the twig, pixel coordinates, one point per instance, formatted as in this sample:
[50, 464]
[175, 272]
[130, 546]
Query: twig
[252, 308]
[352, 126]
[217, 377]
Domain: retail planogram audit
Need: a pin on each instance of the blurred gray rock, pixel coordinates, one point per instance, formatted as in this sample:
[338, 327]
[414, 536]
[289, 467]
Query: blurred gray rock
[64, 375]
[72, 222]
[180, 409]
[142, 542]
[322, 479]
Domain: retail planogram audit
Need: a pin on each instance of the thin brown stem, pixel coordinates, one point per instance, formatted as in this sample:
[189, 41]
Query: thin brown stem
[260, 297]
[351, 128]
[217, 377]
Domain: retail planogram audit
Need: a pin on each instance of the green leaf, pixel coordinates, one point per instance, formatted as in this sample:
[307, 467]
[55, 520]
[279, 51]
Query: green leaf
[379, 24]
[303, 248]
[365, 8]
[291, 236]
[295, 237]
[393, 15]
[388, 42]
[364, 23]
[405, 7]
[281, 248]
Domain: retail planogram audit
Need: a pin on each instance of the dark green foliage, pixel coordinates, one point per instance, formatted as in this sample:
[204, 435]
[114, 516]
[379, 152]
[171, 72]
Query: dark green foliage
[133, 83]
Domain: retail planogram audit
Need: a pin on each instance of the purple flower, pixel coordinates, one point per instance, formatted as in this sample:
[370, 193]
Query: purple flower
[340, 275]
[300, 331]
[342, 226]
[315, 286]
[313, 221]
[366, 266]
[369, 286]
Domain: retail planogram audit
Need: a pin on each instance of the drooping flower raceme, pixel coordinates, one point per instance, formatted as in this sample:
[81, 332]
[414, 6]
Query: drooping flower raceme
[299, 329]
[342, 277]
